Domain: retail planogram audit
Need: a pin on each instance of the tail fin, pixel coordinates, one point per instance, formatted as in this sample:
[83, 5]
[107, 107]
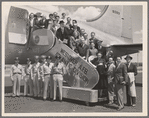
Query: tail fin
[115, 20]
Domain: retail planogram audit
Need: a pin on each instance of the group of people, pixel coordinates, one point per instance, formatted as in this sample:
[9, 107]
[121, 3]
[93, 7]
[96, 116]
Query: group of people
[113, 77]
[38, 76]
[69, 33]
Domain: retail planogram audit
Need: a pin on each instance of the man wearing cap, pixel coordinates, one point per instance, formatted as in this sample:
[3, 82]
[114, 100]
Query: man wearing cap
[47, 67]
[130, 86]
[16, 74]
[27, 79]
[35, 76]
[58, 71]
[41, 75]
[63, 33]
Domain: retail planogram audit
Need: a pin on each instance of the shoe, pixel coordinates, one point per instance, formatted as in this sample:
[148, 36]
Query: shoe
[18, 95]
[120, 108]
[53, 100]
[44, 99]
[110, 103]
[60, 100]
[127, 104]
[133, 105]
[13, 95]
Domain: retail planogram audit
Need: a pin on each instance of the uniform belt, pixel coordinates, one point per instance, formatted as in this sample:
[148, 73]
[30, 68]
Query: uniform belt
[17, 73]
[27, 74]
[57, 73]
[47, 74]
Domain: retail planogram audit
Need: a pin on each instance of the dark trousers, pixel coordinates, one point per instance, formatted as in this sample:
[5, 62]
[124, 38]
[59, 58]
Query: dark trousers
[130, 100]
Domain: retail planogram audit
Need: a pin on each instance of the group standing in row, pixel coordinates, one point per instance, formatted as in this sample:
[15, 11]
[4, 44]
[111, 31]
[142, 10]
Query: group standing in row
[38, 76]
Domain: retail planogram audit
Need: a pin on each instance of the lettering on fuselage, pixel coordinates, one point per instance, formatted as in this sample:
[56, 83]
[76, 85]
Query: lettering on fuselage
[116, 12]
[73, 67]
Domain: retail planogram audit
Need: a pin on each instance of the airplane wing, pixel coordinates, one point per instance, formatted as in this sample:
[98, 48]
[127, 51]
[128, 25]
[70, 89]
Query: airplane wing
[124, 49]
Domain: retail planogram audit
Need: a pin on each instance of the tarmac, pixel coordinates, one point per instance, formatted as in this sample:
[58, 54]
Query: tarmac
[33, 105]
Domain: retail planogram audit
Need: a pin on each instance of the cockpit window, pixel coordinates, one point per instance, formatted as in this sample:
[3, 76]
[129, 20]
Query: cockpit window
[17, 38]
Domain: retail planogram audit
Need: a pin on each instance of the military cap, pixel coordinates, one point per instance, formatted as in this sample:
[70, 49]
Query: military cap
[128, 56]
[16, 58]
[61, 22]
[36, 57]
[43, 56]
[58, 56]
[49, 57]
[28, 59]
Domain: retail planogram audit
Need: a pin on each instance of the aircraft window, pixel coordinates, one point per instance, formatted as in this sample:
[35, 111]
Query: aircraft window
[41, 40]
[17, 38]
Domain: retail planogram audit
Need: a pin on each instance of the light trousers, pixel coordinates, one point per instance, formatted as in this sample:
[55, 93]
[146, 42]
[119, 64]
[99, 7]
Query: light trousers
[58, 79]
[111, 91]
[46, 86]
[120, 94]
[16, 84]
[28, 82]
[36, 88]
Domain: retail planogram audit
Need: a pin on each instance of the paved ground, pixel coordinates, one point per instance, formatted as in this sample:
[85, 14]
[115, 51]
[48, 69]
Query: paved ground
[31, 105]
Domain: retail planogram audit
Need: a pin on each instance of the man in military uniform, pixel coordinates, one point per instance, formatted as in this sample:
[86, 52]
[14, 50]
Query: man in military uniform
[47, 67]
[16, 74]
[35, 76]
[58, 71]
[27, 79]
[41, 75]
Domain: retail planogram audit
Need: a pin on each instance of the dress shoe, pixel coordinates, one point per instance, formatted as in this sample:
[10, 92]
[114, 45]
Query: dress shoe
[13, 95]
[133, 105]
[120, 108]
[110, 103]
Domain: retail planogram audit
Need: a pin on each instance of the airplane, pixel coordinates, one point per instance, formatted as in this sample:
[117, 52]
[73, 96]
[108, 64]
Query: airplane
[112, 26]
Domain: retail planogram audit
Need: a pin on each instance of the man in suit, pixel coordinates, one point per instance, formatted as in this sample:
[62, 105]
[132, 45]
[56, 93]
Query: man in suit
[110, 78]
[93, 39]
[82, 49]
[130, 86]
[16, 74]
[120, 78]
[74, 22]
[63, 33]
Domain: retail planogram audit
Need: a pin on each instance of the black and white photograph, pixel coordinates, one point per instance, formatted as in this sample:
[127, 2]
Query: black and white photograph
[74, 58]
